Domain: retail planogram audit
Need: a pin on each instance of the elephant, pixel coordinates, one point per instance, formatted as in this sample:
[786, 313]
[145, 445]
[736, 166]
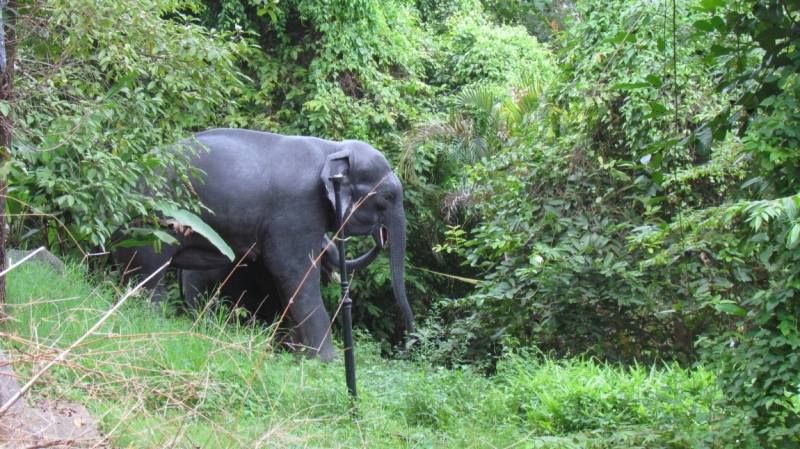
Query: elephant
[272, 199]
[253, 288]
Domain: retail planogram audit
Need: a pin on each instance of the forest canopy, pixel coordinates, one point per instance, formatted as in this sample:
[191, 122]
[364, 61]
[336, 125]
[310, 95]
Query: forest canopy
[610, 179]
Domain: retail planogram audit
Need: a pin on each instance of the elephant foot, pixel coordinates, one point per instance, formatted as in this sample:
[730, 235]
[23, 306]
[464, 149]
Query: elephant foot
[326, 353]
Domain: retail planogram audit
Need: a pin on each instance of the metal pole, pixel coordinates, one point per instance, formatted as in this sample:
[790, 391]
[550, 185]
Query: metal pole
[347, 303]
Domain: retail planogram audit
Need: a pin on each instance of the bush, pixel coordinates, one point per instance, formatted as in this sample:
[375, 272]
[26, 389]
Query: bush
[475, 51]
[597, 405]
[97, 106]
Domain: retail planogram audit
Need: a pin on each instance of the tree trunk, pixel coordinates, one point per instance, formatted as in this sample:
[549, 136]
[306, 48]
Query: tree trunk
[6, 97]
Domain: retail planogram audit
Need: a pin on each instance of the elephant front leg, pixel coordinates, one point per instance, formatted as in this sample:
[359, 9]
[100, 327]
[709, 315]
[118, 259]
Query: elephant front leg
[312, 333]
[299, 285]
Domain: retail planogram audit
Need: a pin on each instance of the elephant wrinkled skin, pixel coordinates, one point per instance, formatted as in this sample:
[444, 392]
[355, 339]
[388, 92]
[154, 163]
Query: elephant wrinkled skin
[272, 193]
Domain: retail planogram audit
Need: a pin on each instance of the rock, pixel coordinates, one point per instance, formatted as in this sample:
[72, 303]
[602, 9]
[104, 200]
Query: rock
[13, 418]
[43, 256]
[49, 423]
[8, 388]
[55, 424]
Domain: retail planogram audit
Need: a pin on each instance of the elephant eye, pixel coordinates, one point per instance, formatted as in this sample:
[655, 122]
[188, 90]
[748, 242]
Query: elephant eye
[388, 196]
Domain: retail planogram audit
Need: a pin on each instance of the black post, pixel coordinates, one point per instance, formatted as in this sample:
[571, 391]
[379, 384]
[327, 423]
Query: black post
[347, 303]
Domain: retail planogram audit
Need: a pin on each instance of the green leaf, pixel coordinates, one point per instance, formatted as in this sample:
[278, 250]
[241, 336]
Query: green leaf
[164, 237]
[270, 10]
[622, 37]
[661, 45]
[654, 80]
[5, 168]
[711, 5]
[652, 115]
[730, 309]
[656, 161]
[186, 218]
[791, 242]
[146, 236]
[718, 23]
[704, 25]
[657, 107]
[120, 84]
[658, 177]
[790, 206]
[629, 86]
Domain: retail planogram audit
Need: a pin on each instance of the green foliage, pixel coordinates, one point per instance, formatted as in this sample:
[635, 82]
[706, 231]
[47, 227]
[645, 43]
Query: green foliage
[620, 65]
[232, 15]
[336, 70]
[755, 52]
[757, 357]
[436, 14]
[99, 105]
[542, 18]
[573, 171]
[622, 407]
[475, 51]
[753, 47]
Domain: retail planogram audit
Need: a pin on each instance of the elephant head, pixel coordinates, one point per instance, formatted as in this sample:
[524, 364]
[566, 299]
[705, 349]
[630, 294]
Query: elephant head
[372, 199]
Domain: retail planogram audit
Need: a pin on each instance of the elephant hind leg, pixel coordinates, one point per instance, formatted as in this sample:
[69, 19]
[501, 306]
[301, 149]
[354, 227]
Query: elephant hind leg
[141, 262]
[197, 283]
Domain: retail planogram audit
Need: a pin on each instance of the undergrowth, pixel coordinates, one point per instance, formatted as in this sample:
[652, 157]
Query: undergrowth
[155, 381]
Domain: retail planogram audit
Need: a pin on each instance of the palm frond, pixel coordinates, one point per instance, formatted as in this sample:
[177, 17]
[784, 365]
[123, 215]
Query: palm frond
[479, 98]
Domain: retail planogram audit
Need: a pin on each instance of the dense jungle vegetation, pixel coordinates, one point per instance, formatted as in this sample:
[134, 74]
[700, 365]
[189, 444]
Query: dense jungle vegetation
[606, 179]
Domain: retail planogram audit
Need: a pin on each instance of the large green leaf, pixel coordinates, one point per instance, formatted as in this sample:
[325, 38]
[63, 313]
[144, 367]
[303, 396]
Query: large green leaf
[146, 236]
[188, 219]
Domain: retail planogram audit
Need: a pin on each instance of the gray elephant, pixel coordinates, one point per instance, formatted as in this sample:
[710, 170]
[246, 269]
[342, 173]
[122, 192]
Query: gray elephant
[272, 193]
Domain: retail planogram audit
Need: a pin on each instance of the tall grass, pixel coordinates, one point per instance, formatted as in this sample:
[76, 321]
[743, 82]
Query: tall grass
[156, 381]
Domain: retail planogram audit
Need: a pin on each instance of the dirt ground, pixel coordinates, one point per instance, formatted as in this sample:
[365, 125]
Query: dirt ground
[46, 424]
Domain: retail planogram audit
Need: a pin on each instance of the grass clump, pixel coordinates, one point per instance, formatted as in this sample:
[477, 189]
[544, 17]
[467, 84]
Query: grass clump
[612, 406]
[155, 381]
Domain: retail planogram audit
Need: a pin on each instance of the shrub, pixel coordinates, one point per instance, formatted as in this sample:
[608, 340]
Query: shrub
[98, 105]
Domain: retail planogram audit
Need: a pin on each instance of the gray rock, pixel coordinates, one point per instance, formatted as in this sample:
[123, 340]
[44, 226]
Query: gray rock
[8, 388]
[44, 256]
[48, 423]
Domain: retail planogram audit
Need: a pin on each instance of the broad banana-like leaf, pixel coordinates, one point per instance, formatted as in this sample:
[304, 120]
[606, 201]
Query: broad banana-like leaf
[185, 219]
[146, 236]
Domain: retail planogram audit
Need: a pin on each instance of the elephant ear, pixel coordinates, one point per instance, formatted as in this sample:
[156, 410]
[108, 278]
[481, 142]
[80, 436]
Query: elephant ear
[335, 164]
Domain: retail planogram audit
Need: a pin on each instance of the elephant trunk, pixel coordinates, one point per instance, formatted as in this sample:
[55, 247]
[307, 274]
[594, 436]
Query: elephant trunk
[397, 254]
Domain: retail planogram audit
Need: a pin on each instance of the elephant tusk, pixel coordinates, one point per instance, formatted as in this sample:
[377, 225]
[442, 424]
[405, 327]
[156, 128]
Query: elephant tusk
[384, 236]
